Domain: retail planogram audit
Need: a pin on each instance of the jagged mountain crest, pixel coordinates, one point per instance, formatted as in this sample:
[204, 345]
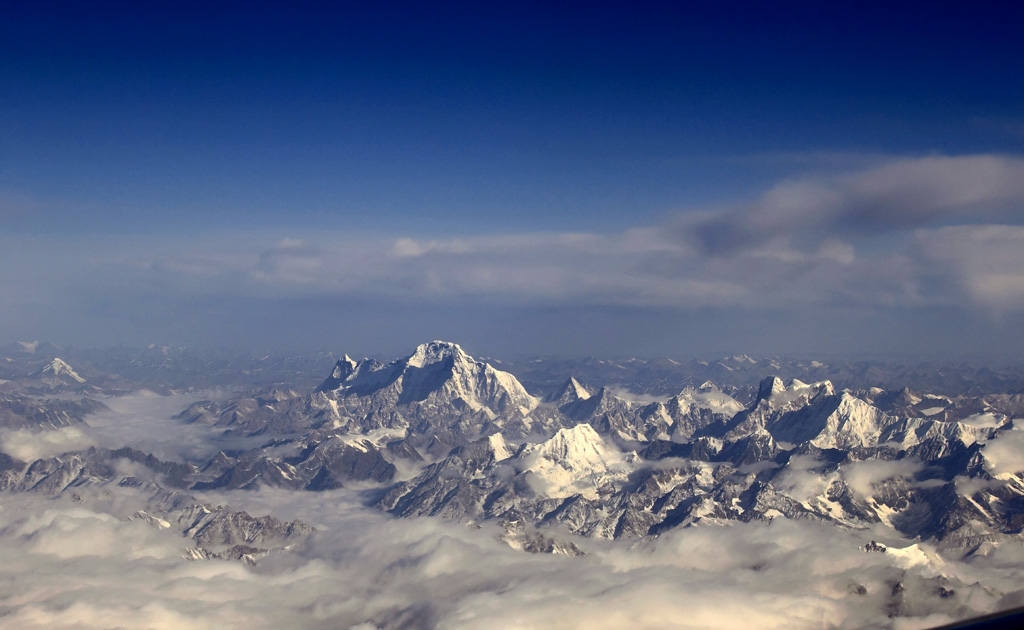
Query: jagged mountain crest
[438, 372]
[832, 421]
[354, 376]
[777, 394]
[439, 352]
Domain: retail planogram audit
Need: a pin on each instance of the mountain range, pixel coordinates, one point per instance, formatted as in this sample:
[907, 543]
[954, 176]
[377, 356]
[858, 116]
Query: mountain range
[440, 433]
[611, 453]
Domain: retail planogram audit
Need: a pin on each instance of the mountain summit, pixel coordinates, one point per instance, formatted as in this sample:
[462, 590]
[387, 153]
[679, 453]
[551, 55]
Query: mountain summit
[439, 372]
[57, 368]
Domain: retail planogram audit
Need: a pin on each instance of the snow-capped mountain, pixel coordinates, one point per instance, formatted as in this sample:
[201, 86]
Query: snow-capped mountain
[57, 370]
[438, 372]
[573, 391]
[935, 475]
[572, 462]
[604, 464]
[441, 433]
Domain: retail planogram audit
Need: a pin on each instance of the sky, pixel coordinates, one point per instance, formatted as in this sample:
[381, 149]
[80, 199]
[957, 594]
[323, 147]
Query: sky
[585, 179]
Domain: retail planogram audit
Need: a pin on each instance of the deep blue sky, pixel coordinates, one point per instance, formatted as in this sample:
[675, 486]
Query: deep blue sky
[237, 126]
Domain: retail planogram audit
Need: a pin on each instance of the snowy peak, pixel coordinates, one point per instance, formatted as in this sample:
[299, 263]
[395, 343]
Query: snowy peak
[344, 368]
[437, 352]
[797, 393]
[742, 358]
[440, 372]
[443, 371]
[572, 391]
[769, 387]
[347, 372]
[832, 421]
[58, 369]
[574, 461]
[576, 448]
[854, 423]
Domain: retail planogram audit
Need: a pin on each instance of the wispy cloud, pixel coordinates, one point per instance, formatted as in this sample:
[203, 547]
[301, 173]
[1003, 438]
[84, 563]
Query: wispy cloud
[985, 261]
[903, 233]
[822, 240]
[28, 445]
[638, 267]
[898, 195]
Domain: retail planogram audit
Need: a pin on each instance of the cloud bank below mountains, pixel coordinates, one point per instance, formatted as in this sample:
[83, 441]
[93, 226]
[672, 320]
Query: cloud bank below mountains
[79, 562]
[69, 564]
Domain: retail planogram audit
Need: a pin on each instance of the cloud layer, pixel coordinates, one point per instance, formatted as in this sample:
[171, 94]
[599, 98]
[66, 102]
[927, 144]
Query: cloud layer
[897, 195]
[80, 562]
[71, 565]
[935, 232]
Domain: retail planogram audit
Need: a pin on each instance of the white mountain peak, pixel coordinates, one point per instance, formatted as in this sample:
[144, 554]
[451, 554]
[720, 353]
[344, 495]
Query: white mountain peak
[435, 352]
[58, 368]
[578, 388]
[778, 394]
[770, 387]
[439, 370]
[573, 461]
[343, 370]
[577, 448]
[572, 391]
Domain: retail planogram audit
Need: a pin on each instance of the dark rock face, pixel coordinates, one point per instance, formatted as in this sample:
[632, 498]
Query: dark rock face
[26, 412]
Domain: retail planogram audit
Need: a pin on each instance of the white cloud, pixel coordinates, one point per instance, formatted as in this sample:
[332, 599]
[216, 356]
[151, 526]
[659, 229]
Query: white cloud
[29, 446]
[146, 421]
[987, 261]
[816, 242]
[1004, 455]
[895, 196]
[918, 190]
[861, 476]
[803, 480]
[70, 564]
[637, 267]
[625, 394]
